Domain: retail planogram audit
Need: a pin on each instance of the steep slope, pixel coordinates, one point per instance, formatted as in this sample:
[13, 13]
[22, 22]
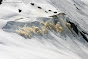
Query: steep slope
[72, 43]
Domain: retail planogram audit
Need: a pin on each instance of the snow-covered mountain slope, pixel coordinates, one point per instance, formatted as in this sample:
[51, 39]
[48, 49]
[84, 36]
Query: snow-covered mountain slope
[71, 43]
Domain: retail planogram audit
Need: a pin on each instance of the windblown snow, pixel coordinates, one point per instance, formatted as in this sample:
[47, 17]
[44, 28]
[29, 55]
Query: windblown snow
[44, 29]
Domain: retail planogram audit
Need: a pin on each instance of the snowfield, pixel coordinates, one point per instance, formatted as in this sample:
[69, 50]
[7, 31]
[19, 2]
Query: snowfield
[72, 43]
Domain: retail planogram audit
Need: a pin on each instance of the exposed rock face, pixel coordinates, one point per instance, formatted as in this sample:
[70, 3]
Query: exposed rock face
[1, 2]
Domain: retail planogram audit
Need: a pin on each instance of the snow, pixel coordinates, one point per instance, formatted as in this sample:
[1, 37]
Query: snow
[85, 1]
[52, 46]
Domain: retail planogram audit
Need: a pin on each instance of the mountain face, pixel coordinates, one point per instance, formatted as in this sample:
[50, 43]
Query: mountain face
[43, 29]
